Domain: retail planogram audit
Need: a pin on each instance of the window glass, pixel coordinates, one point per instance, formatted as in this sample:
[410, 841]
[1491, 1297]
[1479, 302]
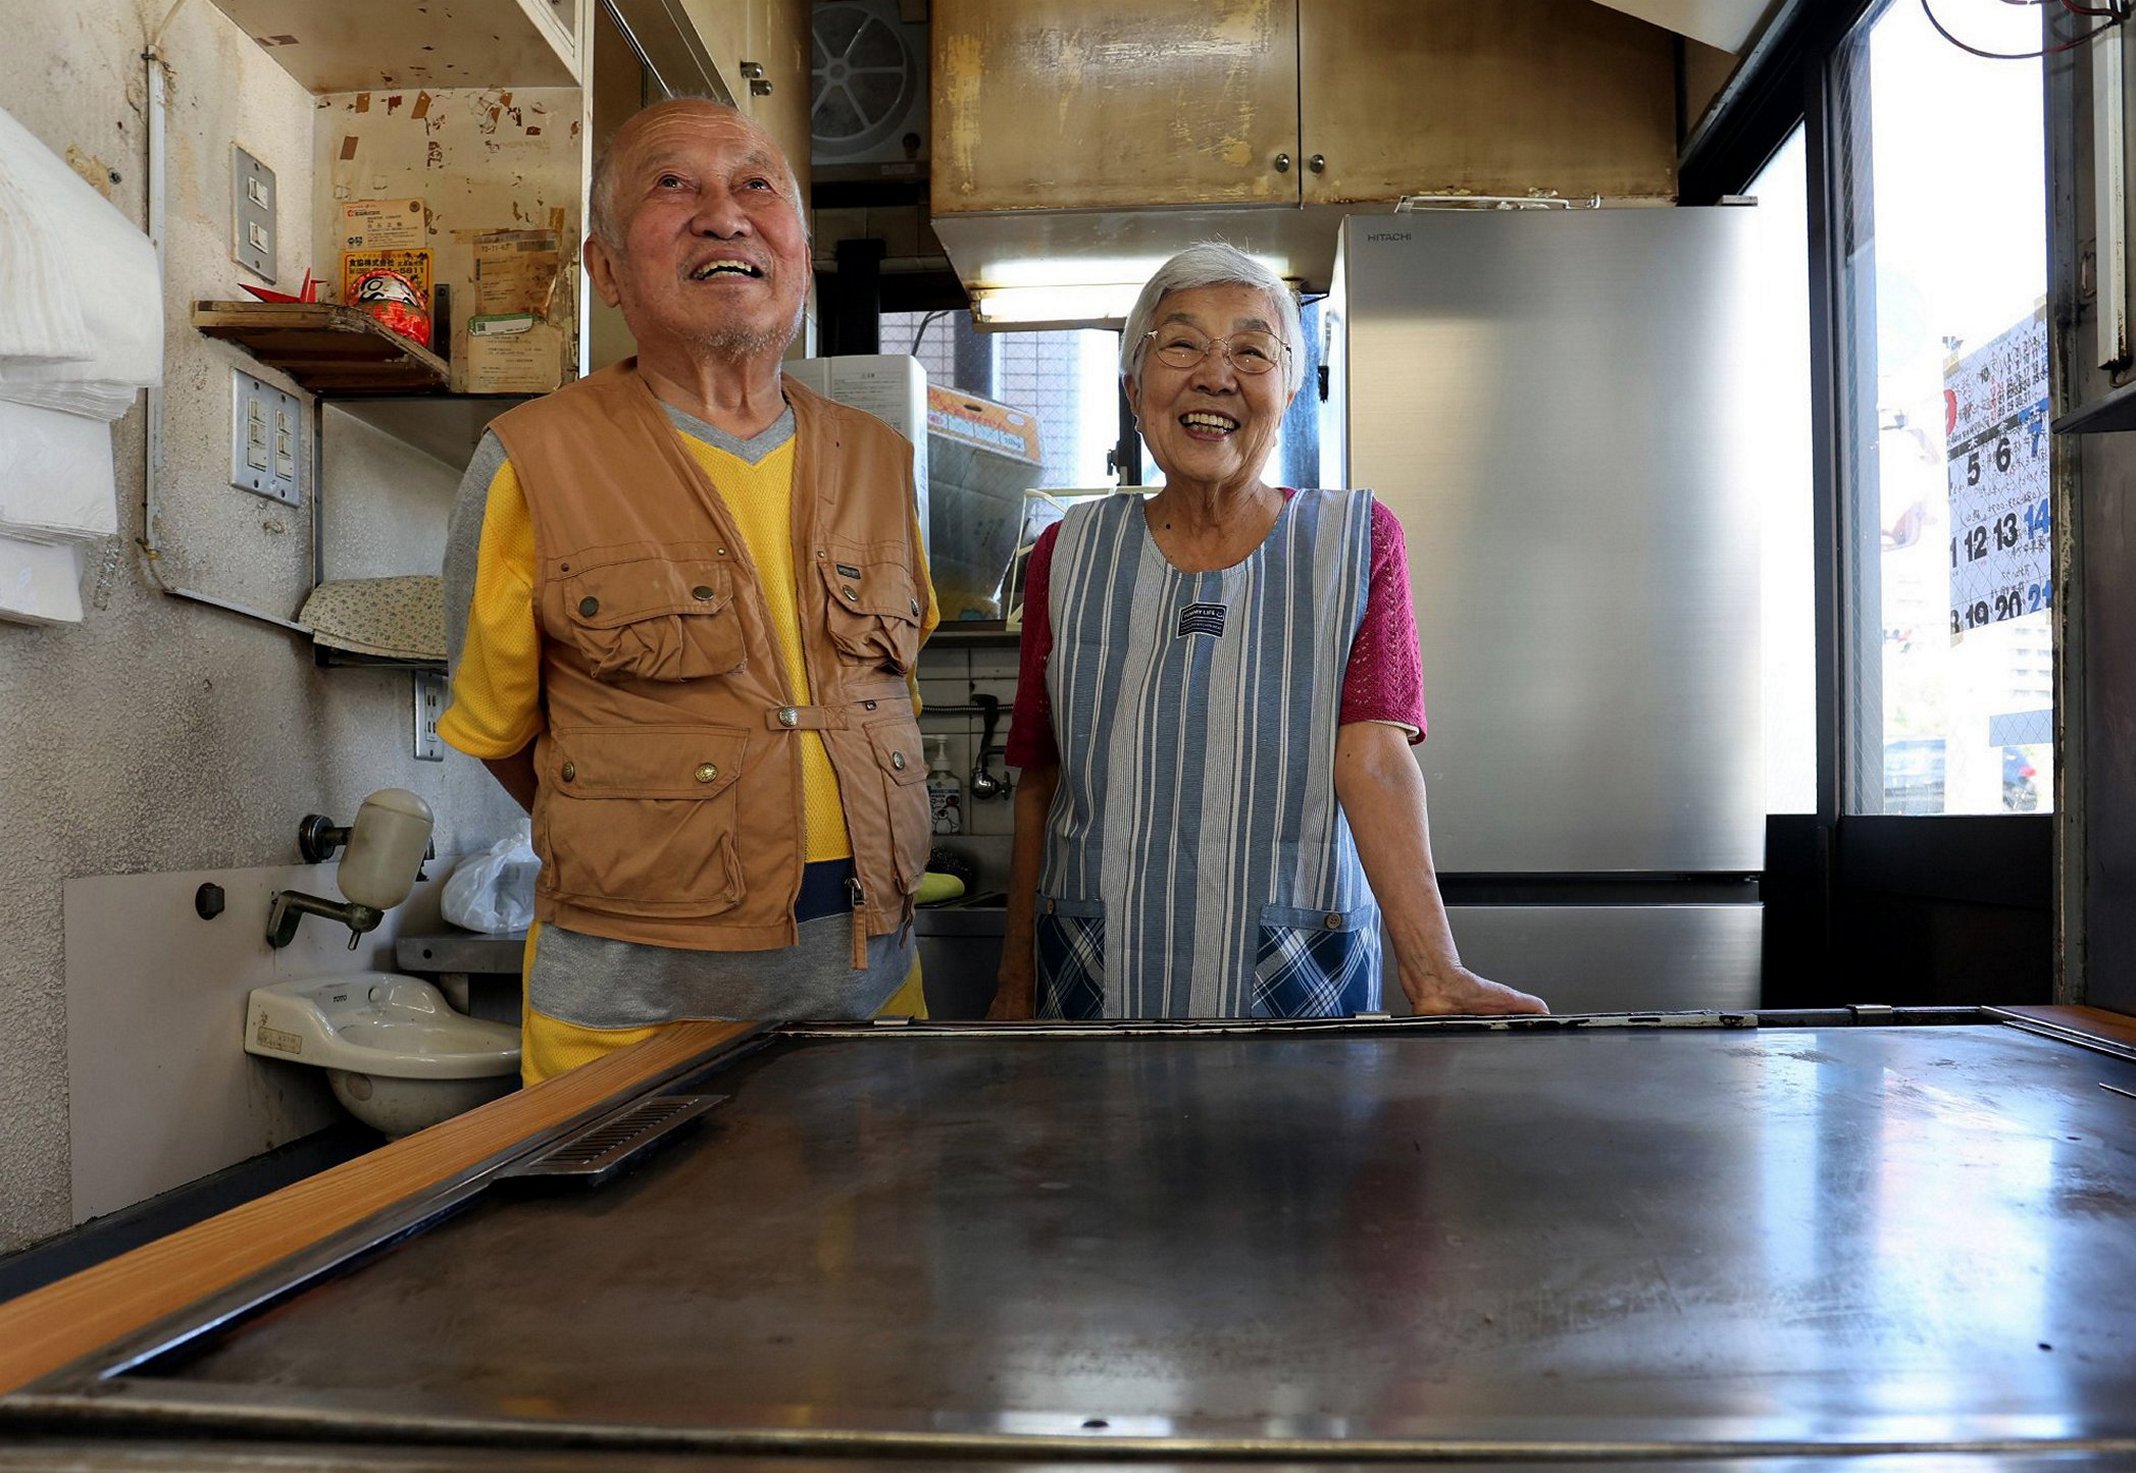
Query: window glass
[1787, 629]
[1939, 208]
[1066, 378]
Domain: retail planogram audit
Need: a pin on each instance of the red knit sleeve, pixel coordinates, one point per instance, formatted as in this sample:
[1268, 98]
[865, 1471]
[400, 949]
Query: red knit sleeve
[1384, 680]
[1031, 741]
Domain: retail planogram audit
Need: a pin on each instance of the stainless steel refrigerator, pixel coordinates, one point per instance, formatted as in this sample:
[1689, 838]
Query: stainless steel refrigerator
[1563, 408]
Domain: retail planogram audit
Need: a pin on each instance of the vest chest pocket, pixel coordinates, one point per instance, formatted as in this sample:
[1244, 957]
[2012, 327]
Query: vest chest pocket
[875, 611]
[653, 619]
[640, 820]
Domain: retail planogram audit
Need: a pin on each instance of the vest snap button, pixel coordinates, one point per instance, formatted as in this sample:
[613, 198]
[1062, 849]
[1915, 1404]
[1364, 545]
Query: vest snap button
[707, 773]
[897, 760]
[570, 771]
[588, 607]
[915, 607]
[1333, 922]
[701, 593]
[788, 716]
[851, 596]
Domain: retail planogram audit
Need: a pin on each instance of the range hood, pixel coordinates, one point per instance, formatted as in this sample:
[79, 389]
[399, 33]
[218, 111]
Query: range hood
[1110, 253]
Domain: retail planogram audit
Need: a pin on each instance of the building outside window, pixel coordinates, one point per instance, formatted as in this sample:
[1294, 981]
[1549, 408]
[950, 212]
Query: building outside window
[1939, 208]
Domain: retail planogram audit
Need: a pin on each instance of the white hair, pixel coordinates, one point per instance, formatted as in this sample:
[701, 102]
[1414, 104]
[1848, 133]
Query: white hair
[1214, 263]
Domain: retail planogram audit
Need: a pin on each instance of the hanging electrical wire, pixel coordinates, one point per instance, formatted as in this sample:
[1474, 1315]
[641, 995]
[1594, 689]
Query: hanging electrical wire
[2116, 12]
[925, 323]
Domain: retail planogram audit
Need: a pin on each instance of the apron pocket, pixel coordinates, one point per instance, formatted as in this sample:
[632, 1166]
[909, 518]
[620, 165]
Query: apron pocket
[1316, 963]
[1071, 958]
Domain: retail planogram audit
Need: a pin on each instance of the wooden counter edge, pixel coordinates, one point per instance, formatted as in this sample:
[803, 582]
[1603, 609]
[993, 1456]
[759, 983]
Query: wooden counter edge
[47, 1328]
[2096, 1022]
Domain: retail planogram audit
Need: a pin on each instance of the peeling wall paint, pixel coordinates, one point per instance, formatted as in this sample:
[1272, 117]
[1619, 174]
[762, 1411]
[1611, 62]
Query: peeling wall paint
[481, 159]
[160, 735]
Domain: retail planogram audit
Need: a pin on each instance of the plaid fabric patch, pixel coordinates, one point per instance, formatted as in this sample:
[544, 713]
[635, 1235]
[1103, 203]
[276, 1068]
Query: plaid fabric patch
[1312, 972]
[1071, 966]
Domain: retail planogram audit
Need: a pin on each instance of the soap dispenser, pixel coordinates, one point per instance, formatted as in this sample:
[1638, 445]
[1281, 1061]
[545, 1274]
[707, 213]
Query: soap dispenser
[945, 794]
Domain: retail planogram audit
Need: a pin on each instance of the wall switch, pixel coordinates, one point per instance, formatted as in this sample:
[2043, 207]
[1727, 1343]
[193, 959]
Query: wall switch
[429, 706]
[266, 440]
[252, 213]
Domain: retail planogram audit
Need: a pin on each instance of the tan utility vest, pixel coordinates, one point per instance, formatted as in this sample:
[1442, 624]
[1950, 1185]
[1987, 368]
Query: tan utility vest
[669, 802]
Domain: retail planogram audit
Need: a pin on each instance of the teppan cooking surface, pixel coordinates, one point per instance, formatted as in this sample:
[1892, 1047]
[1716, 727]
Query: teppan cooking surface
[1372, 1240]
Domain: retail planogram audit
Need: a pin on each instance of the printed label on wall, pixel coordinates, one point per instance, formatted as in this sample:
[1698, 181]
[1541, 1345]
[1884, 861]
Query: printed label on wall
[1995, 425]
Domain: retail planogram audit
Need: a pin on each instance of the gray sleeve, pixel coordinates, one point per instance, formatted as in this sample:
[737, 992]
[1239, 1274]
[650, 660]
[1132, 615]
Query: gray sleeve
[463, 541]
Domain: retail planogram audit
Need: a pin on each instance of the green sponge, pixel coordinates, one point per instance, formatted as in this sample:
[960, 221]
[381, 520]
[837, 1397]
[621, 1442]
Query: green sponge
[936, 887]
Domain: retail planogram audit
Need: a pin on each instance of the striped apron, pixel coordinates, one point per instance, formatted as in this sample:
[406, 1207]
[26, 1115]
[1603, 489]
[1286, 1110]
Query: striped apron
[1197, 864]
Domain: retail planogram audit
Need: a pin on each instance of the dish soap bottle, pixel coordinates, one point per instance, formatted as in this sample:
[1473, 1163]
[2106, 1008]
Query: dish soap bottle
[945, 794]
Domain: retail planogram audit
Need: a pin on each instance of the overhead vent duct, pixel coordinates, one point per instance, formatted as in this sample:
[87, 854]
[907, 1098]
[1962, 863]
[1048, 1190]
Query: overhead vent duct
[868, 114]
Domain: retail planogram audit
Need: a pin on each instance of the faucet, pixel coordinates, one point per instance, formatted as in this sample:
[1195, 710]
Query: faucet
[386, 847]
[984, 784]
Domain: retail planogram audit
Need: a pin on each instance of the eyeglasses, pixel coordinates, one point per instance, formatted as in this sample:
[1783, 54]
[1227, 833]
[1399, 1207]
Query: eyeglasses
[1251, 351]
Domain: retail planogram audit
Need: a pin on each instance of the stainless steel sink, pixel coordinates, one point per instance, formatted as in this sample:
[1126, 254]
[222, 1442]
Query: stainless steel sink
[960, 951]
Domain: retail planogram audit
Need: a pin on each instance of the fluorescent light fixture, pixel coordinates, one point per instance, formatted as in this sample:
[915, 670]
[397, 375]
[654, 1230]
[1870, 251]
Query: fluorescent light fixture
[1085, 304]
[1073, 292]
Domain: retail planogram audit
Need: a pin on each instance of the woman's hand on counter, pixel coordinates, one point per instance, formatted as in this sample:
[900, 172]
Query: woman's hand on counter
[1459, 990]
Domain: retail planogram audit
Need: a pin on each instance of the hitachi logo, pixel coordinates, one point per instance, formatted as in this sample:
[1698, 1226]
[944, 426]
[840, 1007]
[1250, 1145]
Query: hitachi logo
[1387, 235]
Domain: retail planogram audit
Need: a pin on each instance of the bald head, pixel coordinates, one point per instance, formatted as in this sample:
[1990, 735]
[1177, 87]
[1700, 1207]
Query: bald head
[606, 222]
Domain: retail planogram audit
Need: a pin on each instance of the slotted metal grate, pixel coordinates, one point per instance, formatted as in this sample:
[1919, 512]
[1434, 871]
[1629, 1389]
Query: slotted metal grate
[615, 1141]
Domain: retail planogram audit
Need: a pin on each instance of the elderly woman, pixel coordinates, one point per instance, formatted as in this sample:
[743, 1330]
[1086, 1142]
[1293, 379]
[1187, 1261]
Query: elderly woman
[1219, 688]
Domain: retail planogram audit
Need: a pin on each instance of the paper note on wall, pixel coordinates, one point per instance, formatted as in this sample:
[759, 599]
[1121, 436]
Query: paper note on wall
[515, 271]
[383, 225]
[529, 362]
[1995, 423]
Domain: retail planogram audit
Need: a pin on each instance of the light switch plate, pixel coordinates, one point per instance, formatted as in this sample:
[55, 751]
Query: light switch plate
[429, 706]
[252, 234]
[266, 439]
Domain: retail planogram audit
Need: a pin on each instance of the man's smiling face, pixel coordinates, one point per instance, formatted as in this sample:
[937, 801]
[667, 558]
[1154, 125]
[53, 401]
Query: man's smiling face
[705, 251]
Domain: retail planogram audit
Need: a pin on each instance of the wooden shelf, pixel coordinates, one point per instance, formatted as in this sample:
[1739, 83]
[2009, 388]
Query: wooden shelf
[336, 46]
[326, 349]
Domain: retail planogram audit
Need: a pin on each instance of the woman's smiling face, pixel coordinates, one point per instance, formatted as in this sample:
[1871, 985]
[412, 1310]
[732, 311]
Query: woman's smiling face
[1210, 425]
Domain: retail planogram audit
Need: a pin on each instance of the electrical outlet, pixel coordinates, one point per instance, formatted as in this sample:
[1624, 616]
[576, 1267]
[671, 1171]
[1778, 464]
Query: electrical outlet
[429, 706]
[251, 213]
[266, 440]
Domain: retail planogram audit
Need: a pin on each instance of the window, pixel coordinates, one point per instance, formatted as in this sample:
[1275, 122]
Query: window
[1787, 626]
[1068, 379]
[1939, 200]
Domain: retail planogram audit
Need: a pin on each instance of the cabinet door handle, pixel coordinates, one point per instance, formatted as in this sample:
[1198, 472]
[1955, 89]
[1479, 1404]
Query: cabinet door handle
[1318, 163]
[1282, 163]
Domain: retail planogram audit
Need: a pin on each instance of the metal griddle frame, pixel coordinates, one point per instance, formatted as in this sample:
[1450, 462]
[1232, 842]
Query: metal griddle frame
[90, 1398]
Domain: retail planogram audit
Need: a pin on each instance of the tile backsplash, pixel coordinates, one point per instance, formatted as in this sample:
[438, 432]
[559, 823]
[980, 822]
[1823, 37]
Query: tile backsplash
[951, 675]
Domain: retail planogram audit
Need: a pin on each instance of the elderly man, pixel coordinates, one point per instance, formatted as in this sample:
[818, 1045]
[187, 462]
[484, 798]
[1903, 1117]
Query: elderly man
[686, 595]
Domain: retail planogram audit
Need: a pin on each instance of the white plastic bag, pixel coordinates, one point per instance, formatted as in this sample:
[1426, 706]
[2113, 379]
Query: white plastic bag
[494, 890]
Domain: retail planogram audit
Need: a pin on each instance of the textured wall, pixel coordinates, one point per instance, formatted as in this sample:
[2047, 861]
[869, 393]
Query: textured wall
[160, 734]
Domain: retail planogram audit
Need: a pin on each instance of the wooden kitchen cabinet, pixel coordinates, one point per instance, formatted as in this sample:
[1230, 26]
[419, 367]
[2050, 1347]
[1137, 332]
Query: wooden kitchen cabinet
[1111, 104]
[1563, 97]
[1103, 104]
[760, 51]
